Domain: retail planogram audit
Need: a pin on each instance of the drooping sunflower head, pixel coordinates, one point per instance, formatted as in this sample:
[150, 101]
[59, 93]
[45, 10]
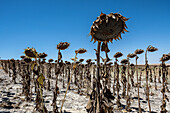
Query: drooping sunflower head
[165, 57]
[124, 61]
[77, 62]
[118, 54]
[27, 60]
[22, 57]
[132, 65]
[81, 51]
[131, 55]
[108, 27]
[43, 62]
[50, 60]
[81, 60]
[63, 45]
[88, 61]
[139, 51]
[31, 52]
[42, 55]
[152, 49]
[12, 60]
[68, 63]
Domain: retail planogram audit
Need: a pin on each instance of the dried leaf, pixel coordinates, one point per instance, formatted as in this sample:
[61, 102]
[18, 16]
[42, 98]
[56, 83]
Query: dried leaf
[41, 79]
[32, 66]
[74, 66]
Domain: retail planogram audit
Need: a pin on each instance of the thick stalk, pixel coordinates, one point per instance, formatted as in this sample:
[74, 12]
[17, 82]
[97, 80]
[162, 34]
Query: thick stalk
[128, 98]
[147, 88]
[163, 106]
[98, 78]
[138, 85]
[155, 78]
[55, 108]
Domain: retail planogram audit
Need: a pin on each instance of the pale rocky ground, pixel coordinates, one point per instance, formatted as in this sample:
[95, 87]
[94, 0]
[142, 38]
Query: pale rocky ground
[11, 94]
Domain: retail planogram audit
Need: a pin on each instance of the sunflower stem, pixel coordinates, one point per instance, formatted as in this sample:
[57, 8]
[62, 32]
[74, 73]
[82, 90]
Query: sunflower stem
[98, 78]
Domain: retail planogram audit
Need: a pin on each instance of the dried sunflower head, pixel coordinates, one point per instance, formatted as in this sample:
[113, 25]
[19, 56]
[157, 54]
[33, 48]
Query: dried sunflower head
[22, 56]
[132, 64]
[43, 62]
[12, 60]
[31, 52]
[77, 62]
[81, 60]
[81, 50]
[27, 60]
[124, 61]
[165, 57]
[68, 63]
[22, 62]
[42, 55]
[93, 63]
[118, 54]
[132, 55]
[152, 49]
[63, 45]
[88, 61]
[139, 51]
[50, 60]
[108, 27]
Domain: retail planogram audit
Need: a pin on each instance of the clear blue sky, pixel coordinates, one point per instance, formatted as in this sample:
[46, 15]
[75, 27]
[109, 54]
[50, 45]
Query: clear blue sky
[42, 24]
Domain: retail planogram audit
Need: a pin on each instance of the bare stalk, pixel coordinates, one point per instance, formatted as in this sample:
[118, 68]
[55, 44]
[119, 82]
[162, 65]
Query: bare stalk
[138, 85]
[147, 88]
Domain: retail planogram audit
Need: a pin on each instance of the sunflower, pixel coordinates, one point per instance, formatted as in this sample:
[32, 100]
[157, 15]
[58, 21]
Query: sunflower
[22, 56]
[108, 27]
[132, 64]
[118, 54]
[152, 49]
[31, 52]
[77, 62]
[63, 45]
[88, 61]
[81, 60]
[132, 55]
[22, 62]
[81, 51]
[42, 55]
[68, 63]
[27, 60]
[50, 60]
[12, 60]
[165, 57]
[139, 51]
[43, 62]
[124, 61]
